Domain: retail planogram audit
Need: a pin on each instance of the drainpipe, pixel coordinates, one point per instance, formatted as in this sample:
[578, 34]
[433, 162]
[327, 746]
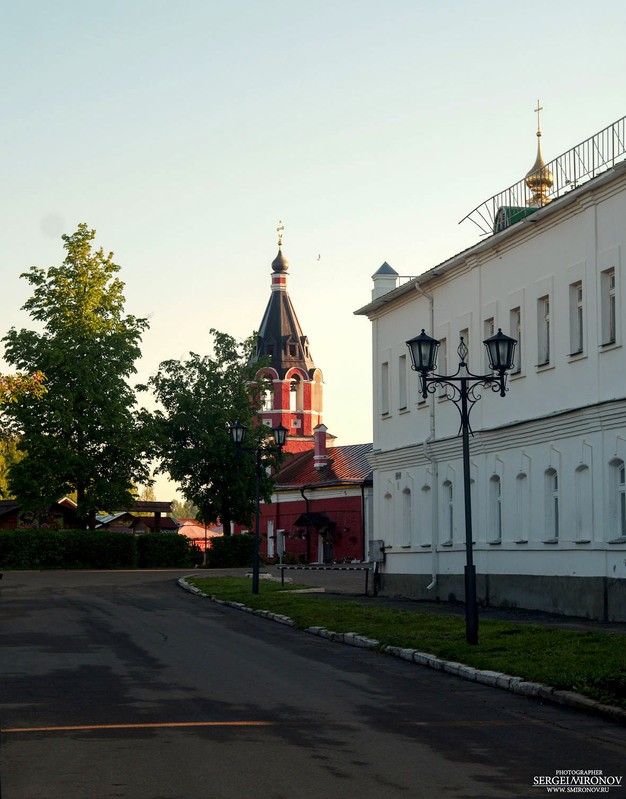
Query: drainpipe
[308, 529]
[431, 458]
[363, 522]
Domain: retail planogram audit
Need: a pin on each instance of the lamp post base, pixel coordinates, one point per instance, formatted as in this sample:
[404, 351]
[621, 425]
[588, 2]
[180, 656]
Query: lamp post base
[471, 606]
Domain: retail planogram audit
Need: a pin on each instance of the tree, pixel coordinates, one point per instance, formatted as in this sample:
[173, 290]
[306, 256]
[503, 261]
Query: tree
[12, 387]
[84, 433]
[200, 397]
[9, 454]
[184, 510]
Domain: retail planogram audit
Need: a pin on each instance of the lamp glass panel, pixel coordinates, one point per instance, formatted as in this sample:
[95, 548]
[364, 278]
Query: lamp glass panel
[423, 349]
[500, 349]
[238, 432]
[280, 435]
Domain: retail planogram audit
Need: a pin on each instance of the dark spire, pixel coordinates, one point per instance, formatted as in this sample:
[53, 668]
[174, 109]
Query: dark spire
[280, 335]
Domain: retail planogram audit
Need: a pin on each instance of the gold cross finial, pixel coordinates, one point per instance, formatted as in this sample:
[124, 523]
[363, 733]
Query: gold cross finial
[538, 112]
[279, 230]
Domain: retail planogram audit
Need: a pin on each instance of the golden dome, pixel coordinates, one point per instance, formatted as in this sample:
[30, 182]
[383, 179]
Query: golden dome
[539, 178]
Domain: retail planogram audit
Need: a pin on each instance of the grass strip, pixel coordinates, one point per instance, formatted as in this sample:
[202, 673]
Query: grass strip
[589, 663]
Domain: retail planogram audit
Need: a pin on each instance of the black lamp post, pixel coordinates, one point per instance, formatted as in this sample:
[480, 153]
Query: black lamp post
[238, 433]
[461, 387]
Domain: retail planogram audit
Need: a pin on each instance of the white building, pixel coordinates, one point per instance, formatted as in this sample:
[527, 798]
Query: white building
[548, 460]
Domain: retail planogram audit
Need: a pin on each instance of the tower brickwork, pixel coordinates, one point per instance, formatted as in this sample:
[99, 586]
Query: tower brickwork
[294, 395]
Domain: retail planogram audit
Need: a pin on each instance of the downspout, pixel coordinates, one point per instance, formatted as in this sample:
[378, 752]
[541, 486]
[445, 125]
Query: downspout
[364, 558]
[308, 529]
[429, 457]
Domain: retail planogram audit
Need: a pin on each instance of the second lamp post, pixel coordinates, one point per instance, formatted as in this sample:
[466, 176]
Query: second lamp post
[238, 432]
[461, 389]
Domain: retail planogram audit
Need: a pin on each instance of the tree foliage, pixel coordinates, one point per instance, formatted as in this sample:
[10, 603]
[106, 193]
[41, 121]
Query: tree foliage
[84, 433]
[9, 454]
[200, 397]
[12, 387]
[185, 509]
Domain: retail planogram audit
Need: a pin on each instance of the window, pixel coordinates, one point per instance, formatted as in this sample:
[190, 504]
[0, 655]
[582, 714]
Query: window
[617, 504]
[402, 383]
[522, 507]
[388, 514]
[464, 334]
[576, 318]
[543, 331]
[488, 331]
[384, 388]
[583, 506]
[267, 400]
[442, 364]
[552, 505]
[407, 516]
[495, 508]
[515, 327]
[426, 516]
[609, 311]
[621, 500]
[295, 394]
[448, 512]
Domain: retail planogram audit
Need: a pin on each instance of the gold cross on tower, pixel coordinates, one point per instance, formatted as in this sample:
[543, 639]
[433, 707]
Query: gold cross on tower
[279, 230]
[537, 111]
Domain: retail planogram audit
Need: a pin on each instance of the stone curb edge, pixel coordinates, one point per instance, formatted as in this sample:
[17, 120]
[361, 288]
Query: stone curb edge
[495, 679]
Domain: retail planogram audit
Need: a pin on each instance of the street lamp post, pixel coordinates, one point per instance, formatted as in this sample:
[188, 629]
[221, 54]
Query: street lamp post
[238, 433]
[462, 388]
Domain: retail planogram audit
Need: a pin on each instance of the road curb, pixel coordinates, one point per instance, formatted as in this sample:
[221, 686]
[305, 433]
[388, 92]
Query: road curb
[494, 679]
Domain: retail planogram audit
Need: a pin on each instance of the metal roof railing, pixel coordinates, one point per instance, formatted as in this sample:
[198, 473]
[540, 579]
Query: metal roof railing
[583, 162]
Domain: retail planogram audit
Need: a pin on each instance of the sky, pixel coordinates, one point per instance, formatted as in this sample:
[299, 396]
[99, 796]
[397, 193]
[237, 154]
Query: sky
[183, 132]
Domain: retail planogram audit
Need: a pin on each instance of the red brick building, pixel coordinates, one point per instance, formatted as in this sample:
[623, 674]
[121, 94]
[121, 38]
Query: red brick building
[321, 507]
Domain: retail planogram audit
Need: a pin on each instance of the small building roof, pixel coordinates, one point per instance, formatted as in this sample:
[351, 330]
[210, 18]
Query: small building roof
[347, 465]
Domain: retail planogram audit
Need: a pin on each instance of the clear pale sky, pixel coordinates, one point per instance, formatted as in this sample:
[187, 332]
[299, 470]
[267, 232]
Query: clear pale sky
[183, 131]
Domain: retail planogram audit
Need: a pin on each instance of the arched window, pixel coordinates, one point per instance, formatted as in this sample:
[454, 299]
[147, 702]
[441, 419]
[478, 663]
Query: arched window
[295, 394]
[617, 499]
[267, 399]
[317, 391]
[426, 534]
[448, 512]
[407, 516]
[583, 504]
[495, 508]
[552, 505]
[522, 507]
[388, 520]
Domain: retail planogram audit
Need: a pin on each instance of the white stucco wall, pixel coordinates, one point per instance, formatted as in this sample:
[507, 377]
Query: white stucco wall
[566, 417]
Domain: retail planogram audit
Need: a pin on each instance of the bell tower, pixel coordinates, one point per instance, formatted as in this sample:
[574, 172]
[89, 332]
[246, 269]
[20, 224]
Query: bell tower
[294, 398]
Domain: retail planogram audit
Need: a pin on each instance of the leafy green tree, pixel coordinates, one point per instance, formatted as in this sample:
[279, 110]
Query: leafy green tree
[9, 454]
[200, 397]
[185, 509]
[84, 434]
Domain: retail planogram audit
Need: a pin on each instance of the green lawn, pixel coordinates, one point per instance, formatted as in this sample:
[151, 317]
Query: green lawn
[590, 663]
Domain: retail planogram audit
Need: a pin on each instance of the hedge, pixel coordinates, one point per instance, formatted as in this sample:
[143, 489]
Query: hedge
[91, 549]
[231, 552]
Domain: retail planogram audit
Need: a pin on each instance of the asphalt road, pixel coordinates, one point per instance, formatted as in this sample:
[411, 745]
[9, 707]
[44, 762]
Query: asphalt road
[123, 685]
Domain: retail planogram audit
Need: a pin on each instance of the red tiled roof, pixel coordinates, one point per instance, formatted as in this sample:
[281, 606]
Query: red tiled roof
[346, 465]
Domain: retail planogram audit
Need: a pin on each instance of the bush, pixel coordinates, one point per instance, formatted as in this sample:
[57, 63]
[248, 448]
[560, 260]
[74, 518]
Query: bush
[91, 549]
[231, 552]
[163, 550]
